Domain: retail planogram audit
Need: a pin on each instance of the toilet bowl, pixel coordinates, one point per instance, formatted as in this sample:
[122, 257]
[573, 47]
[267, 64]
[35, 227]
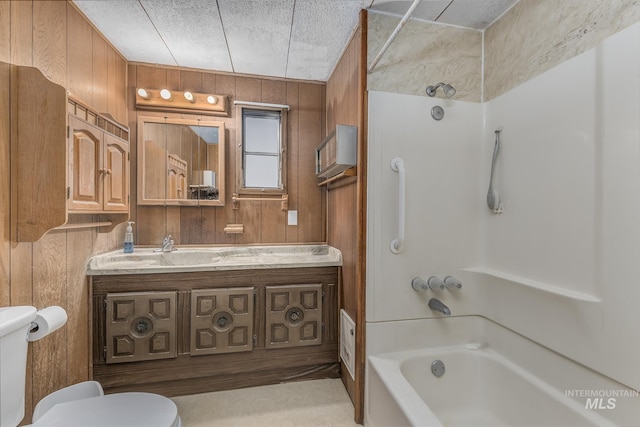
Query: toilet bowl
[79, 405]
[113, 410]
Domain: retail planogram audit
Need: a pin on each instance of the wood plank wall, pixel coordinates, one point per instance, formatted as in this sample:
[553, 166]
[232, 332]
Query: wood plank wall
[54, 37]
[264, 222]
[346, 213]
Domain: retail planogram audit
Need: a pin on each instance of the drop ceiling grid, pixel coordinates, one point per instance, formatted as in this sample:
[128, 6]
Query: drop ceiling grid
[427, 10]
[297, 39]
[128, 28]
[466, 13]
[319, 35]
[192, 31]
[474, 14]
[258, 34]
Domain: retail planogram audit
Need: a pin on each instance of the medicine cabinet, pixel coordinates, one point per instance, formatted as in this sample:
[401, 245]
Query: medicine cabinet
[180, 162]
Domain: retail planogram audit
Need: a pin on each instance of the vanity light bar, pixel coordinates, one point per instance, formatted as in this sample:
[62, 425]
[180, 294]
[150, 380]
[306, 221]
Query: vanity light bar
[182, 102]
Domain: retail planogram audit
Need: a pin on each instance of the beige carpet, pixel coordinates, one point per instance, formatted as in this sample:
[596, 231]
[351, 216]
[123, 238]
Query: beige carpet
[321, 403]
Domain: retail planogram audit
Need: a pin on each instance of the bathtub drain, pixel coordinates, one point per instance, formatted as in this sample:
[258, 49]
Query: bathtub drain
[437, 368]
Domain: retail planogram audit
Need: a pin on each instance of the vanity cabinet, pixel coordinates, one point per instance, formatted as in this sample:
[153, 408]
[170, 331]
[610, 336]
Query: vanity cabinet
[98, 169]
[233, 329]
[66, 159]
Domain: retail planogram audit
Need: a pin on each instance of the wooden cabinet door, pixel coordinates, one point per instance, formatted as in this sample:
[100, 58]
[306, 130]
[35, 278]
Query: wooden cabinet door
[85, 178]
[293, 315]
[140, 326]
[221, 320]
[116, 174]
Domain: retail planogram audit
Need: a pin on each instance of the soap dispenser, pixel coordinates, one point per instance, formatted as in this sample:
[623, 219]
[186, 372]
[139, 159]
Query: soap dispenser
[128, 239]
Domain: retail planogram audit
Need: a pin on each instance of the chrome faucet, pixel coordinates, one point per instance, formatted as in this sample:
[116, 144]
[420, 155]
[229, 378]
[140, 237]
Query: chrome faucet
[437, 305]
[167, 244]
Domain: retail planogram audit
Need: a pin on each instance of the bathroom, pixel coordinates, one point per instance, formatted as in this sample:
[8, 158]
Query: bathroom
[554, 175]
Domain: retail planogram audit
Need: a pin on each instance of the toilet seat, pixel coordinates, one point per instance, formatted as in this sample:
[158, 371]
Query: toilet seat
[113, 410]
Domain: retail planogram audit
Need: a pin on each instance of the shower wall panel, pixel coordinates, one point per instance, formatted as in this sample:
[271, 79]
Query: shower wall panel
[424, 54]
[535, 36]
[442, 161]
[570, 182]
[559, 264]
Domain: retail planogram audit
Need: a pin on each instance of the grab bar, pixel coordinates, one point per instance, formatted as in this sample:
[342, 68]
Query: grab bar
[397, 165]
[493, 199]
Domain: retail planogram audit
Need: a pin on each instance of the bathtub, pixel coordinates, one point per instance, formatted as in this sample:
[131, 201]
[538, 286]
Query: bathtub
[493, 377]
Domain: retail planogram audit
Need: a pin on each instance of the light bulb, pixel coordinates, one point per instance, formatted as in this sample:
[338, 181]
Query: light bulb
[142, 93]
[165, 94]
[189, 96]
[212, 99]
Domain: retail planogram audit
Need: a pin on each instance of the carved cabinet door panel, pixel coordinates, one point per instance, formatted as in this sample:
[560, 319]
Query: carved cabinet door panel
[116, 174]
[85, 158]
[293, 315]
[140, 326]
[221, 320]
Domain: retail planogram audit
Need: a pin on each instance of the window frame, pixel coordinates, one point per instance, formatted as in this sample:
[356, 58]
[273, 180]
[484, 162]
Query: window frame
[240, 152]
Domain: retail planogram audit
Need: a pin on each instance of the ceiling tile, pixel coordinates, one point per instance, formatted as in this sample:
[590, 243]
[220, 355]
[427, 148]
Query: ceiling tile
[321, 30]
[258, 34]
[128, 28]
[475, 14]
[262, 37]
[192, 31]
[427, 10]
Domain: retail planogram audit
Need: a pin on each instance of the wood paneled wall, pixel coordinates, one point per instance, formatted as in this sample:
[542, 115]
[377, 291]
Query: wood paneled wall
[54, 37]
[346, 205]
[264, 222]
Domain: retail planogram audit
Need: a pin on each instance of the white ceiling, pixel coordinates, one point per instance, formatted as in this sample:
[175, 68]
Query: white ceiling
[297, 39]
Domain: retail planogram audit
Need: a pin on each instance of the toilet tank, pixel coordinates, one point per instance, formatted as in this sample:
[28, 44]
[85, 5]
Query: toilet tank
[14, 327]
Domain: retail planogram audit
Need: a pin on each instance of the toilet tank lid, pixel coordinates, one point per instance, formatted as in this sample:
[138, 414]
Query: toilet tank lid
[16, 317]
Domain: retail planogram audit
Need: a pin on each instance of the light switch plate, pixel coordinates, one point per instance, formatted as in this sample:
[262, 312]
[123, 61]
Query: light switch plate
[292, 218]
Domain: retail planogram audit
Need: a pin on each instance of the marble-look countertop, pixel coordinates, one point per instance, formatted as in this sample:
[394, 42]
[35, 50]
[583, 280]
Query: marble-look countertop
[187, 259]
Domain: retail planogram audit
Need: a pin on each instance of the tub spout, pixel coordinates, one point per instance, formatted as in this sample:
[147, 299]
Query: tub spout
[437, 305]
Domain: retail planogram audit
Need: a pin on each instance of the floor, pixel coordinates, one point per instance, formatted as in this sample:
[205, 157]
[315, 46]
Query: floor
[315, 403]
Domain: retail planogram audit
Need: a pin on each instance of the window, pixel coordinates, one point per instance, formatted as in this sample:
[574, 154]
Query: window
[263, 151]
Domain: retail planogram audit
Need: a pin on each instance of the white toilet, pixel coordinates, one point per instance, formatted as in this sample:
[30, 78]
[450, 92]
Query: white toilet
[79, 405]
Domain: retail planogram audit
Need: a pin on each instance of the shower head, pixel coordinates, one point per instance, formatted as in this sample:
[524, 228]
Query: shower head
[448, 90]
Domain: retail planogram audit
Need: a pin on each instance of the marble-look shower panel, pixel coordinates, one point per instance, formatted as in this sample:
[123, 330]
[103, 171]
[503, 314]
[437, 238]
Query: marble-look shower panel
[537, 35]
[424, 54]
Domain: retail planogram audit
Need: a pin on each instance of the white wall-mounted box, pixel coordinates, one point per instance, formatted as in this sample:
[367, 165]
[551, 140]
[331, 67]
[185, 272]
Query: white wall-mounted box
[348, 342]
[337, 152]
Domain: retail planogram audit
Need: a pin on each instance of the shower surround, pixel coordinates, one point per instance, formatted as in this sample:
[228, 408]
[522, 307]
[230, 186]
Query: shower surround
[557, 266]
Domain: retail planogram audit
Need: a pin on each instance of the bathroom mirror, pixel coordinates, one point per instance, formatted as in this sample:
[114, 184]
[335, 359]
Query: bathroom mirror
[180, 162]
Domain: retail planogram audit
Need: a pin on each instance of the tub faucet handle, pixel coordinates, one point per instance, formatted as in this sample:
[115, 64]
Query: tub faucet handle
[419, 284]
[451, 282]
[435, 284]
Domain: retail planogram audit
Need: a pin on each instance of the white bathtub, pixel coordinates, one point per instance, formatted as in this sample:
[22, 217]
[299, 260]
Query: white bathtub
[493, 377]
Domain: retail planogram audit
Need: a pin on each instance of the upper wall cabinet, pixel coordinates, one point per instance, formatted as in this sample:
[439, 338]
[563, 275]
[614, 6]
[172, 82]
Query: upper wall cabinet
[98, 169]
[180, 162]
[58, 171]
